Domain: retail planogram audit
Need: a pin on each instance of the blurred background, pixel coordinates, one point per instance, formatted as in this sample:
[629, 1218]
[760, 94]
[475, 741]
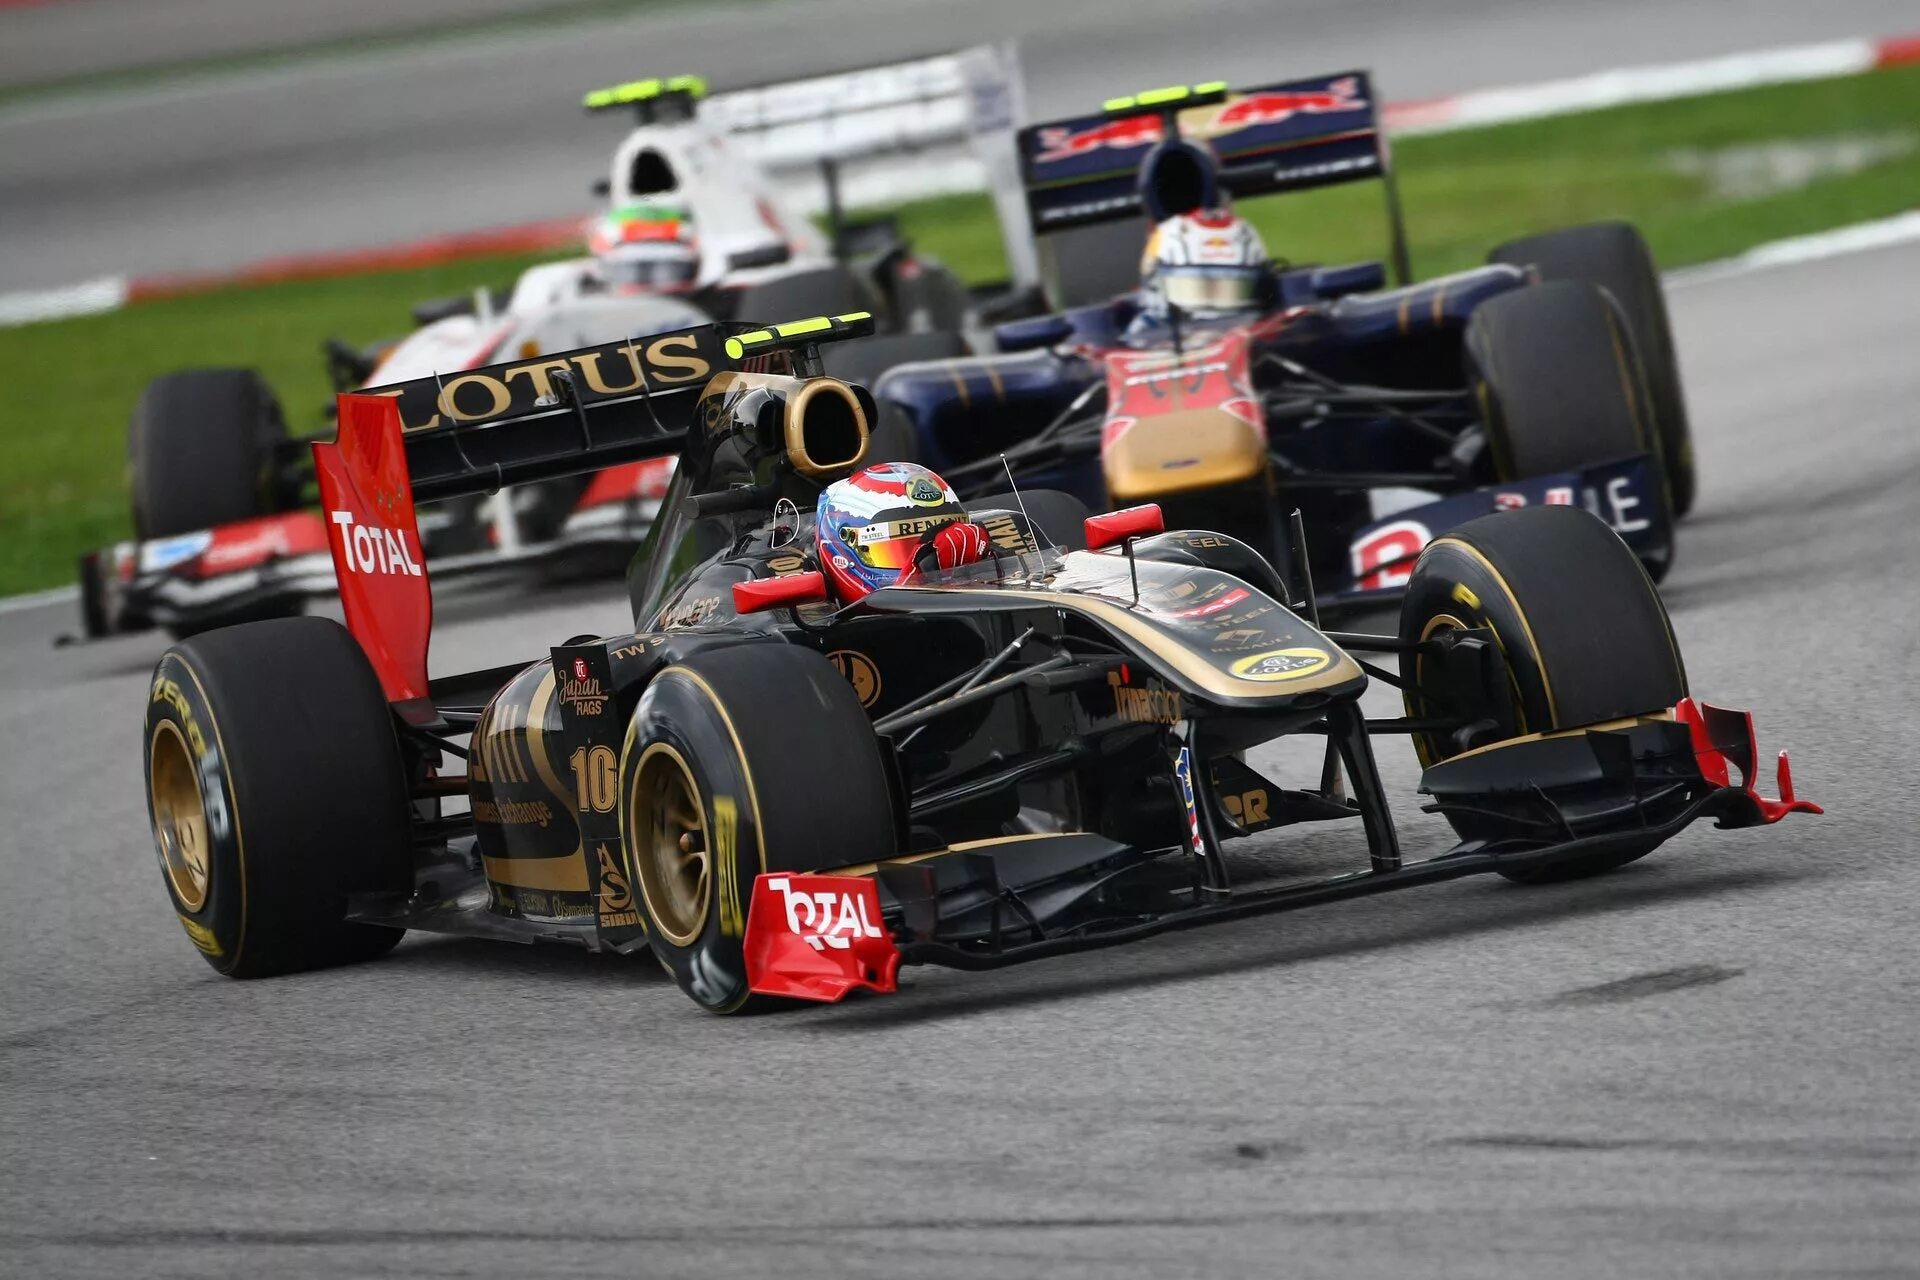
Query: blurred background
[1703, 1066]
[171, 135]
[149, 149]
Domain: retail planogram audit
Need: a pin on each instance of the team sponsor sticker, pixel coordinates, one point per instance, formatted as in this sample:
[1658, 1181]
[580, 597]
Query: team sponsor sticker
[1282, 664]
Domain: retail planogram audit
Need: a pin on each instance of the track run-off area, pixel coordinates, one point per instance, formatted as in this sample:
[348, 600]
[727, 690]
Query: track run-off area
[1703, 1064]
[481, 127]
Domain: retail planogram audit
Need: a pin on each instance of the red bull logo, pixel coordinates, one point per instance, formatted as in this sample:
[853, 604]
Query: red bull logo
[1256, 109]
[1120, 135]
[1247, 111]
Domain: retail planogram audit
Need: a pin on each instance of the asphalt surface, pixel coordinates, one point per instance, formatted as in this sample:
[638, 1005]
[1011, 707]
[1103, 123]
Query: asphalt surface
[341, 153]
[1703, 1065]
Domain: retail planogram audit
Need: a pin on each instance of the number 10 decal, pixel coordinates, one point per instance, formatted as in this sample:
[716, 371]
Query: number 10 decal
[596, 778]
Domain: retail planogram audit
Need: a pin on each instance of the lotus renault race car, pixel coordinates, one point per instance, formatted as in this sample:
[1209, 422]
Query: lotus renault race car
[859, 726]
[703, 220]
[1386, 416]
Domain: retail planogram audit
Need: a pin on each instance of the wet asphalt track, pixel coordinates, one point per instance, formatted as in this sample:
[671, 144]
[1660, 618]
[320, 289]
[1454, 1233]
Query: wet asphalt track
[483, 132]
[1705, 1065]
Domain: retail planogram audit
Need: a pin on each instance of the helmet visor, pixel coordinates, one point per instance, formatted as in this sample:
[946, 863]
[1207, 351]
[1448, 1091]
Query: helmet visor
[1210, 288]
[648, 272]
[892, 544]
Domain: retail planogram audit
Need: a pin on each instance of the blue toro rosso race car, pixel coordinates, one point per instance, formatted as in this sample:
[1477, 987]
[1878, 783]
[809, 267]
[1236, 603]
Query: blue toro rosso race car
[1023, 734]
[1232, 391]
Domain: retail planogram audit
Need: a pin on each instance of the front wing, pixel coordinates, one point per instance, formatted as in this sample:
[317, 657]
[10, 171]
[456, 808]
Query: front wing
[1568, 798]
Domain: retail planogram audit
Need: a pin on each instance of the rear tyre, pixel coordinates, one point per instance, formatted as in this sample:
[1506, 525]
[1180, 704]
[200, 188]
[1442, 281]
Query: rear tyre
[199, 448]
[276, 789]
[740, 761]
[1582, 635]
[1614, 256]
[1559, 385]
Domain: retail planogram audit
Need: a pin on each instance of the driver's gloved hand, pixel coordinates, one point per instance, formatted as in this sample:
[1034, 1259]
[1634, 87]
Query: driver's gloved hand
[952, 545]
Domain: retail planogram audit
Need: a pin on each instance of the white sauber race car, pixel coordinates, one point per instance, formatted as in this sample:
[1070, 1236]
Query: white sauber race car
[706, 216]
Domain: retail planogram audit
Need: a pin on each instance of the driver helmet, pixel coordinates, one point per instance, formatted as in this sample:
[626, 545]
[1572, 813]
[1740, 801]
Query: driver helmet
[645, 248]
[877, 525]
[1209, 263]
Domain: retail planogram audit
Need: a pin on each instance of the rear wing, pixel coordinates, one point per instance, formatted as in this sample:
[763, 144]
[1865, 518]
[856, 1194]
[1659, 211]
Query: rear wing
[478, 429]
[1291, 136]
[472, 432]
[883, 135]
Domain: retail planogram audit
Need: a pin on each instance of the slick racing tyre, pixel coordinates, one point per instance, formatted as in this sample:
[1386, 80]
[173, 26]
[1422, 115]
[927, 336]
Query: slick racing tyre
[1558, 383]
[275, 789]
[1615, 257]
[1582, 637]
[739, 761]
[199, 449]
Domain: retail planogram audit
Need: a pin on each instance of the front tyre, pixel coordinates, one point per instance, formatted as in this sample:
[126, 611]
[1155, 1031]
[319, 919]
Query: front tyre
[1581, 637]
[740, 761]
[275, 789]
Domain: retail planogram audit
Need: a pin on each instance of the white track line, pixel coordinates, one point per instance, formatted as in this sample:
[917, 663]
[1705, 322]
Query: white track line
[38, 599]
[1634, 84]
[1880, 233]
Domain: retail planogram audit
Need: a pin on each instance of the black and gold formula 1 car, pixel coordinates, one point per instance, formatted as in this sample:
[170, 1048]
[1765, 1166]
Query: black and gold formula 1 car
[782, 796]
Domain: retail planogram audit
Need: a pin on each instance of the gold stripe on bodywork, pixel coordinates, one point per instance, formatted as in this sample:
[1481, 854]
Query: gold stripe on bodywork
[1203, 675]
[999, 387]
[1604, 726]
[960, 384]
[908, 859]
[566, 874]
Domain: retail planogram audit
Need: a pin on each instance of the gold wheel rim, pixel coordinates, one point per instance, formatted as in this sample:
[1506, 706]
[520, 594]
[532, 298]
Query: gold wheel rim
[179, 816]
[667, 827]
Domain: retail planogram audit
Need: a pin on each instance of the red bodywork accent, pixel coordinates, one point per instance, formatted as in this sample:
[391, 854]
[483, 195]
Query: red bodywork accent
[248, 544]
[366, 497]
[1722, 737]
[1147, 384]
[1128, 522]
[817, 937]
[779, 593]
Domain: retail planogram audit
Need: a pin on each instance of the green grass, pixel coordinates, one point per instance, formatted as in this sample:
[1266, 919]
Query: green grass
[1462, 193]
[70, 384]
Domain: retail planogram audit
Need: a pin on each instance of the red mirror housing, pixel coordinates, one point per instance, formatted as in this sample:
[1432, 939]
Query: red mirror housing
[1128, 522]
[783, 592]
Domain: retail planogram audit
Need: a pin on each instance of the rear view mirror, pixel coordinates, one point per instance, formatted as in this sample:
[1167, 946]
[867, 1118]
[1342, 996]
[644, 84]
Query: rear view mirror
[1128, 522]
[761, 594]
[770, 255]
[1028, 334]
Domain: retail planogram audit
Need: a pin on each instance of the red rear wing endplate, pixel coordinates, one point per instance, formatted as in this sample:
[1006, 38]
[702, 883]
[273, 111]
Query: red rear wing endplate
[366, 498]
